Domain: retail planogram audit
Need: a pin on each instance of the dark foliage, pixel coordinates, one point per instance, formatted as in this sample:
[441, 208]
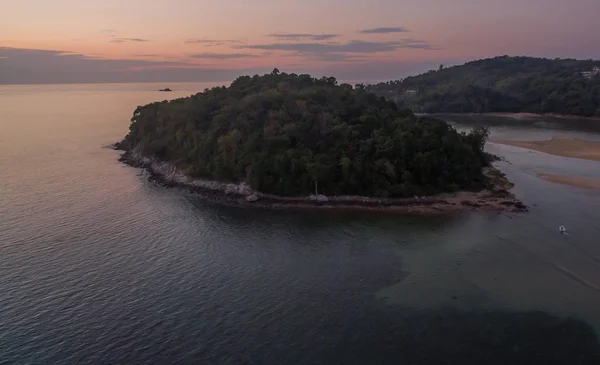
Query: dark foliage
[281, 133]
[501, 84]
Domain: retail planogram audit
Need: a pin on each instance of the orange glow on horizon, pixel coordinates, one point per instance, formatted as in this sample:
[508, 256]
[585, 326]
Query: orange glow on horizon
[302, 35]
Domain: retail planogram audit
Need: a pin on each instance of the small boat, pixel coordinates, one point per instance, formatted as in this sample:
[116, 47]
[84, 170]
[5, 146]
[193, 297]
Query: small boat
[166, 89]
[562, 229]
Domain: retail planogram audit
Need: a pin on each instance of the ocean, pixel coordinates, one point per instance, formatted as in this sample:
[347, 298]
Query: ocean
[100, 266]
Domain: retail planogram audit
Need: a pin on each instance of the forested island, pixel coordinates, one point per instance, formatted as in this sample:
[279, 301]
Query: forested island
[292, 139]
[502, 85]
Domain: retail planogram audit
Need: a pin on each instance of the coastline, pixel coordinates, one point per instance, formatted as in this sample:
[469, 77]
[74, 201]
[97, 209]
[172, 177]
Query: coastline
[559, 146]
[497, 199]
[523, 115]
[564, 147]
[576, 181]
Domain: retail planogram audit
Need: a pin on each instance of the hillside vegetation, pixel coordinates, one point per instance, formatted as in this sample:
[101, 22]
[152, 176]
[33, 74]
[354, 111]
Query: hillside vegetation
[281, 133]
[501, 84]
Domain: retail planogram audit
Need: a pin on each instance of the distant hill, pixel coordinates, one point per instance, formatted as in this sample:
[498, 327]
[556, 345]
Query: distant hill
[502, 84]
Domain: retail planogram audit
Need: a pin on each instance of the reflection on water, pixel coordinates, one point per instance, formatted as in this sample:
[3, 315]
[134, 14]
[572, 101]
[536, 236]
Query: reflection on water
[100, 266]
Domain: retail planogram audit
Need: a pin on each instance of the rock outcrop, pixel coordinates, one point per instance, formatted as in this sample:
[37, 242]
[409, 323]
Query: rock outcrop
[252, 198]
[495, 199]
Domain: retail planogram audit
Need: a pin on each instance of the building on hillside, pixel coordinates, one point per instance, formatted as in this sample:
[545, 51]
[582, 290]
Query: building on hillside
[589, 74]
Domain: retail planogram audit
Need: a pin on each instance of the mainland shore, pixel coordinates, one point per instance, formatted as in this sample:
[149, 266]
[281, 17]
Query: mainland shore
[496, 198]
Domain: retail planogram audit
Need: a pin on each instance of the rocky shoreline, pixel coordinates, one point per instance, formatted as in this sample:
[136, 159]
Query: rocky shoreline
[497, 198]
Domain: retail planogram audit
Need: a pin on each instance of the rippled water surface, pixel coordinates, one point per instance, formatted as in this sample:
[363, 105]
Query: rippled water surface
[100, 266]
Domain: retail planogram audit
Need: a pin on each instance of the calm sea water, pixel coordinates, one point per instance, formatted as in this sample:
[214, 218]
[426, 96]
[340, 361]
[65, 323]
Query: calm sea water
[99, 266]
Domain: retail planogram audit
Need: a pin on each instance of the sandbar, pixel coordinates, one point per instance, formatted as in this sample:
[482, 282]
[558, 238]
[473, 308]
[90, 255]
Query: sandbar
[578, 181]
[523, 115]
[560, 146]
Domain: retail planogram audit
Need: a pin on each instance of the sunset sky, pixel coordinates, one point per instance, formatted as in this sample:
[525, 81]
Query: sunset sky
[44, 41]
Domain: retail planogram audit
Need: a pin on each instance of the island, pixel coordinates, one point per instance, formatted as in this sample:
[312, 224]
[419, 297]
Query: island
[294, 141]
[525, 85]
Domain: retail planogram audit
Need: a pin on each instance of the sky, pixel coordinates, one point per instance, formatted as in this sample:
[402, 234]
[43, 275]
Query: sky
[61, 41]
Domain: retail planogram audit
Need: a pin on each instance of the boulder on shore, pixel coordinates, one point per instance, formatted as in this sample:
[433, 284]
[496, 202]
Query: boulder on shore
[252, 198]
[319, 198]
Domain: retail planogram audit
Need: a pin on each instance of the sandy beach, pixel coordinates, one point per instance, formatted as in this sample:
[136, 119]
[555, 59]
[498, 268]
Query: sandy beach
[560, 146]
[566, 147]
[536, 116]
[578, 181]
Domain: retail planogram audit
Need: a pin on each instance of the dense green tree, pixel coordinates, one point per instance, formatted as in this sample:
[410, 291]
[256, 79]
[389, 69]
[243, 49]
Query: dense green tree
[286, 133]
[501, 84]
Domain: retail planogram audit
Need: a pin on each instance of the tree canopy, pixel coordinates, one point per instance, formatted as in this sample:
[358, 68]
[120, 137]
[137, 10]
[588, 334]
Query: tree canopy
[281, 133]
[502, 84]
